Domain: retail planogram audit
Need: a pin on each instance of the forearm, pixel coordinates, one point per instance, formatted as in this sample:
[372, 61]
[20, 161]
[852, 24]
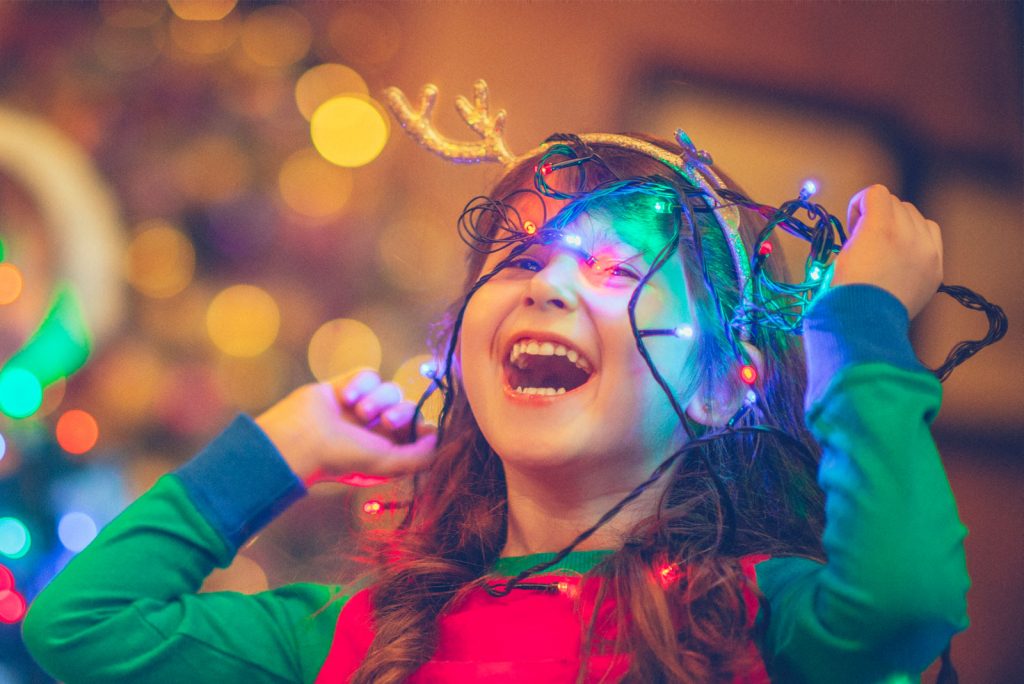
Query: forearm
[892, 592]
[126, 608]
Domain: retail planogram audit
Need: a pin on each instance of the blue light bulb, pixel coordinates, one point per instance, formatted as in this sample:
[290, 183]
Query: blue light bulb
[428, 369]
[809, 188]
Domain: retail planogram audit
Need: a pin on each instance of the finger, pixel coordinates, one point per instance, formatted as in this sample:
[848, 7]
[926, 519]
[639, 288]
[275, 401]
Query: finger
[398, 416]
[854, 210]
[380, 398]
[874, 202]
[351, 388]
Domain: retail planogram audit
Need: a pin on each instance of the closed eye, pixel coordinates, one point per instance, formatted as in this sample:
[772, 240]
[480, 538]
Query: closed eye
[526, 264]
[620, 270]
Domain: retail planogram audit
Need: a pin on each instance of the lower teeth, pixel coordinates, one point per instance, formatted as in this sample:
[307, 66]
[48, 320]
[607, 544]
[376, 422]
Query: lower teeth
[545, 391]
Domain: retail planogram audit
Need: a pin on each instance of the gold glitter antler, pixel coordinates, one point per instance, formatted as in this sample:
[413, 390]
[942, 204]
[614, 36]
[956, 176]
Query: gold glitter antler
[693, 164]
[418, 124]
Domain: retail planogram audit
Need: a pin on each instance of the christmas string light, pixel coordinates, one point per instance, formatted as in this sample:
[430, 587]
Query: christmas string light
[765, 304]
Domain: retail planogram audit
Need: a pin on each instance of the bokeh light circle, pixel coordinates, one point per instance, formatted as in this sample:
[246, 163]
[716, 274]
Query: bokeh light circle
[21, 393]
[243, 320]
[131, 14]
[3, 447]
[201, 40]
[341, 346]
[11, 283]
[276, 36]
[11, 461]
[12, 607]
[323, 82]
[349, 130]
[77, 431]
[15, 540]
[76, 530]
[6, 578]
[202, 10]
[160, 260]
[312, 186]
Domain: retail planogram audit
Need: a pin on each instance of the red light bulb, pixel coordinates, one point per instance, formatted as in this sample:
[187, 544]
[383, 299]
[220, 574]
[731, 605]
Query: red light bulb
[765, 249]
[748, 374]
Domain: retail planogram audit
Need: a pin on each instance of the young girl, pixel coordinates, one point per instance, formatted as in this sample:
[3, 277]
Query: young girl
[622, 488]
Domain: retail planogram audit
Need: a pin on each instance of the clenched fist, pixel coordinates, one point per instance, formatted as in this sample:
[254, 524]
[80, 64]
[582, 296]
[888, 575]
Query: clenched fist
[891, 246]
[349, 426]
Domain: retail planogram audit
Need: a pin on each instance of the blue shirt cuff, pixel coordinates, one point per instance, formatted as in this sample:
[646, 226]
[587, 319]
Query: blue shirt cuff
[240, 482]
[854, 324]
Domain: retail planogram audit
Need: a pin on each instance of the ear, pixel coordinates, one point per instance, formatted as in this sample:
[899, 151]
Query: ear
[714, 406]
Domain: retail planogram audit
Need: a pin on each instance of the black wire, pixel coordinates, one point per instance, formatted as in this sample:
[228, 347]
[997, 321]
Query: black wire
[782, 305]
[504, 588]
[765, 303]
[963, 350]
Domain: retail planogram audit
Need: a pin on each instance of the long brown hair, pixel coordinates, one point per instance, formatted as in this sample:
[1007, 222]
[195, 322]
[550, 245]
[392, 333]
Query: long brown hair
[688, 631]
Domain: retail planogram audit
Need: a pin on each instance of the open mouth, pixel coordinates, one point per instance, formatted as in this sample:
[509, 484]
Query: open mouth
[545, 368]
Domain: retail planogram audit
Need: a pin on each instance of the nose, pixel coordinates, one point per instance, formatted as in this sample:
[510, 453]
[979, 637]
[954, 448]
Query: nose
[554, 286]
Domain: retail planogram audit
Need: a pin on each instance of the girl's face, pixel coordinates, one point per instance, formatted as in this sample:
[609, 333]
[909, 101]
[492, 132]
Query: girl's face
[550, 364]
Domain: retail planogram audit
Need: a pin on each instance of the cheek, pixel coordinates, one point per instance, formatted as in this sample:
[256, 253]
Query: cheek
[480, 323]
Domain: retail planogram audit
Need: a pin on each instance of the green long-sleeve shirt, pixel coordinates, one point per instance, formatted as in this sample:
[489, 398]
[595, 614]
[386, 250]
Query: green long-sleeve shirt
[887, 601]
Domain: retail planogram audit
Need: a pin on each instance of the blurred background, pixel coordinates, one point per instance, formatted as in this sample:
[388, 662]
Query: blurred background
[203, 205]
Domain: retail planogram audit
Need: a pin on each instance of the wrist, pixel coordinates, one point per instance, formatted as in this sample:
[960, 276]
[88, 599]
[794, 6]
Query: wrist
[291, 443]
[239, 482]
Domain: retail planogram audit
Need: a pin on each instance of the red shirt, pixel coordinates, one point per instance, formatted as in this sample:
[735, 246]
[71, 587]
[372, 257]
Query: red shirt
[528, 636]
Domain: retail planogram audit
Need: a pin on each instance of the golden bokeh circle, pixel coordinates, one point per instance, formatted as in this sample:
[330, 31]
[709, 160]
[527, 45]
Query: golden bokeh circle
[276, 36]
[324, 81]
[312, 186]
[341, 346]
[160, 260]
[11, 283]
[202, 10]
[243, 320]
[349, 130]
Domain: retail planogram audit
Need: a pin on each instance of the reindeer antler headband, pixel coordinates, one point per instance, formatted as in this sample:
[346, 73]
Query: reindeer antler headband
[693, 165]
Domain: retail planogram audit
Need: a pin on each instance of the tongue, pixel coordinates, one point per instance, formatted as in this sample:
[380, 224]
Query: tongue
[547, 371]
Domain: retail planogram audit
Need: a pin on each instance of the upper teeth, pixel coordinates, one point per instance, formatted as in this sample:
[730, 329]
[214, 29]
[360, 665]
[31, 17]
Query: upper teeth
[537, 348]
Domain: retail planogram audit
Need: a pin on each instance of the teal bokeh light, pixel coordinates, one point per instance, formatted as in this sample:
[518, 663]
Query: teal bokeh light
[21, 393]
[58, 348]
[15, 541]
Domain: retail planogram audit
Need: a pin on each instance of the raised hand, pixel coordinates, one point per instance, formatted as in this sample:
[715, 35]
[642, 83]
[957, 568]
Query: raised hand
[355, 425]
[892, 246]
